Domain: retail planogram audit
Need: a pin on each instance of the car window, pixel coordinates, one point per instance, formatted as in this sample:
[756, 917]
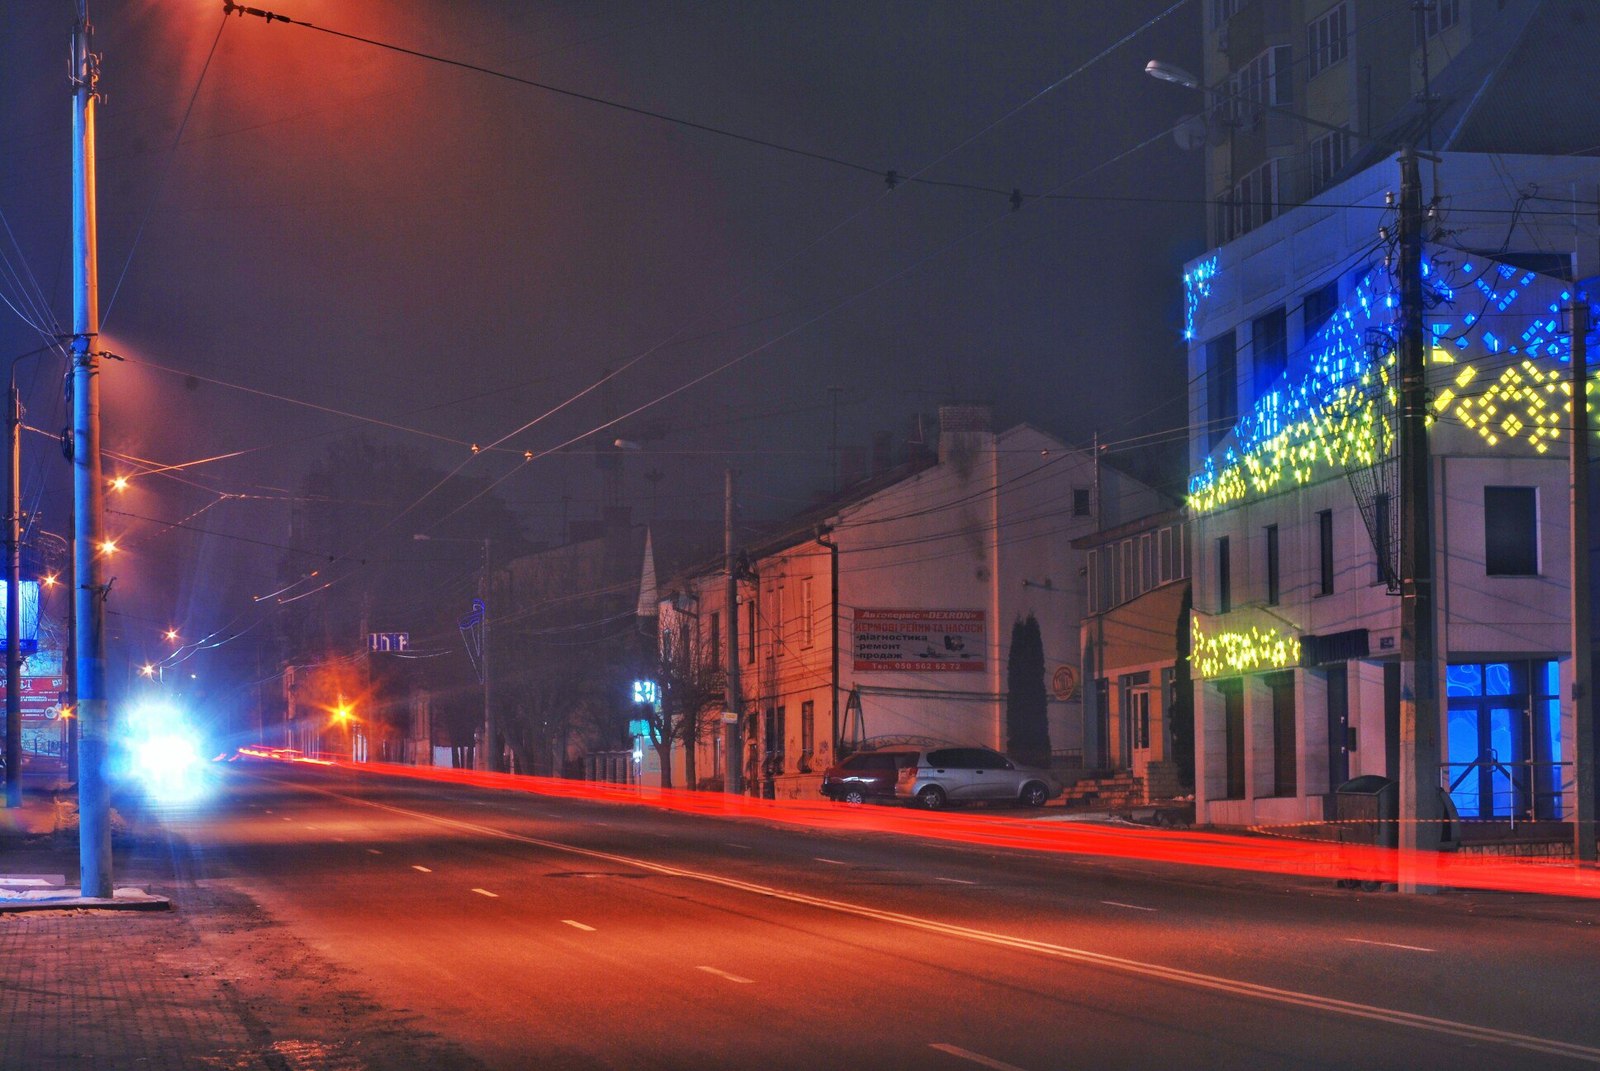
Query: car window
[989, 760]
[950, 756]
[856, 762]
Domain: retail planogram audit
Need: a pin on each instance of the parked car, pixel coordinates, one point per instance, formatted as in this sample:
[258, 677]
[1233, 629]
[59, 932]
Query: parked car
[962, 774]
[866, 775]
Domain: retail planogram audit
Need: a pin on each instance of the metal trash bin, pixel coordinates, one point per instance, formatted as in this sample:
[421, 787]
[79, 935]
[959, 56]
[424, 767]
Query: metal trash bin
[1366, 808]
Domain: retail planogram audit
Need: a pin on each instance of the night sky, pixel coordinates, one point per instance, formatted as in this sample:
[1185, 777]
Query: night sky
[346, 239]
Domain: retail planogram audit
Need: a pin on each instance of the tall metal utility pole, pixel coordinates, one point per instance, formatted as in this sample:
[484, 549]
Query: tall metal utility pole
[734, 781]
[88, 519]
[1583, 817]
[1420, 808]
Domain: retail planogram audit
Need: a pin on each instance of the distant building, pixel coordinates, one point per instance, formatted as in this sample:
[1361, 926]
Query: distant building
[933, 565]
[1139, 717]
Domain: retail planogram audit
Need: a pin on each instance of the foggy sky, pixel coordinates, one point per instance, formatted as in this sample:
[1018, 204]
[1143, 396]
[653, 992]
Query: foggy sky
[432, 248]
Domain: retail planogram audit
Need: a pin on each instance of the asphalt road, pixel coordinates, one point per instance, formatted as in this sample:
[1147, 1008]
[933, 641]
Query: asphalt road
[535, 931]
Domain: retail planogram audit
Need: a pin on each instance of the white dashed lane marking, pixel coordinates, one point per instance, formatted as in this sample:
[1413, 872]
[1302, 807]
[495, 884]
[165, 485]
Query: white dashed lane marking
[835, 862]
[1130, 907]
[958, 881]
[976, 1057]
[486, 892]
[576, 925]
[421, 869]
[373, 851]
[1390, 944]
[725, 974]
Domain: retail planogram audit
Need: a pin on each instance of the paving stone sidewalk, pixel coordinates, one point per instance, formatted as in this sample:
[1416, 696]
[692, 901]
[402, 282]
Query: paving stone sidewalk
[213, 984]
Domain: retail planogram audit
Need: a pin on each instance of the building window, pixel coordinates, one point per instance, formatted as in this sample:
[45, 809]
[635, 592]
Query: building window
[808, 729]
[1258, 197]
[1264, 82]
[1096, 598]
[1510, 531]
[1329, 154]
[1317, 308]
[1080, 502]
[750, 630]
[1326, 43]
[1382, 518]
[1436, 16]
[1224, 577]
[1269, 349]
[777, 622]
[1284, 781]
[1233, 738]
[1272, 565]
[808, 628]
[1222, 386]
[1325, 552]
[716, 639]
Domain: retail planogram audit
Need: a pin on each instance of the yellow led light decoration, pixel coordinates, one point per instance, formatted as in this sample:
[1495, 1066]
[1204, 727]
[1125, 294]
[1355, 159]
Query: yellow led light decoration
[1231, 652]
[1527, 402]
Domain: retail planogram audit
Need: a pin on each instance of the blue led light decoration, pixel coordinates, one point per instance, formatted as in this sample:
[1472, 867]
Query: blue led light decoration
[1196, 288]
[1495, 367]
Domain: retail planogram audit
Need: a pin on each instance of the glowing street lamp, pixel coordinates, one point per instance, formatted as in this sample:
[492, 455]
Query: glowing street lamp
[120, 483]
[108, 547]
[171, 635]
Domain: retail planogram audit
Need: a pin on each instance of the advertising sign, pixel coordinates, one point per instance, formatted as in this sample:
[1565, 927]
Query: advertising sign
[39, 694]
[920, 641]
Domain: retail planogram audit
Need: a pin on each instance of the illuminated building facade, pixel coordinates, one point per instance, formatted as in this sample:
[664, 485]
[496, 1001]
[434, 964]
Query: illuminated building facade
[1294, 499]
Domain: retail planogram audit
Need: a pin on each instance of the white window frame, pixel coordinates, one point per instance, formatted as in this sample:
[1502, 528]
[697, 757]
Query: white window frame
[1329, 154]
[1326, 40]
[1434, 21]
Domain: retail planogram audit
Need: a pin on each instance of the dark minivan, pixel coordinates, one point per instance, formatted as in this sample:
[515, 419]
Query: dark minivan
[866, 775]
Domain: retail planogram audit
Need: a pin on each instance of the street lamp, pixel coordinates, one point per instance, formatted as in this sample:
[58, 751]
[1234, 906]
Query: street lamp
[490, 759]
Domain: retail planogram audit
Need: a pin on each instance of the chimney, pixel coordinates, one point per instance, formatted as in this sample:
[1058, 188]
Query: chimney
[962, 429]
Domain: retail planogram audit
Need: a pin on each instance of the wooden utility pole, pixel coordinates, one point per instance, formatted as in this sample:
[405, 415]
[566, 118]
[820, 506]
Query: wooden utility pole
[1583, 816]
[1420, 808]
[733, 782]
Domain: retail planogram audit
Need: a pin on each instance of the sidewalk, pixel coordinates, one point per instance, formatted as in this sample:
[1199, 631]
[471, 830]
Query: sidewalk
[213, 983]
[47, 820]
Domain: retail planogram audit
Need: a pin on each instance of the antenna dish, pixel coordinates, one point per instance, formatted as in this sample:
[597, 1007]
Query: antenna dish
[1190, 134]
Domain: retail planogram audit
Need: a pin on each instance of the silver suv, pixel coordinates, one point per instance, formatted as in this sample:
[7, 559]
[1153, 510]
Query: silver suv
[960, 774]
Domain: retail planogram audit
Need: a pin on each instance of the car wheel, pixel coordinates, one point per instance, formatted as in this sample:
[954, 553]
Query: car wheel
[856, 796]
[1035, 794]
[932, 798]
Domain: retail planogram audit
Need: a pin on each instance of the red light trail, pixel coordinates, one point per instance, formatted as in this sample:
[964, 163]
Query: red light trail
[1305, 858]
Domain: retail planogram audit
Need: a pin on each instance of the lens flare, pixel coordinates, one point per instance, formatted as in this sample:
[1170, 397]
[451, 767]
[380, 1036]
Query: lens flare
[162, 752]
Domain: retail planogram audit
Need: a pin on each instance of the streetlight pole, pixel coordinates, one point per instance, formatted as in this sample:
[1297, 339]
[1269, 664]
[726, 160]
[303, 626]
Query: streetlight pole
[94, 791]
[491, 756]
[491, 752]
